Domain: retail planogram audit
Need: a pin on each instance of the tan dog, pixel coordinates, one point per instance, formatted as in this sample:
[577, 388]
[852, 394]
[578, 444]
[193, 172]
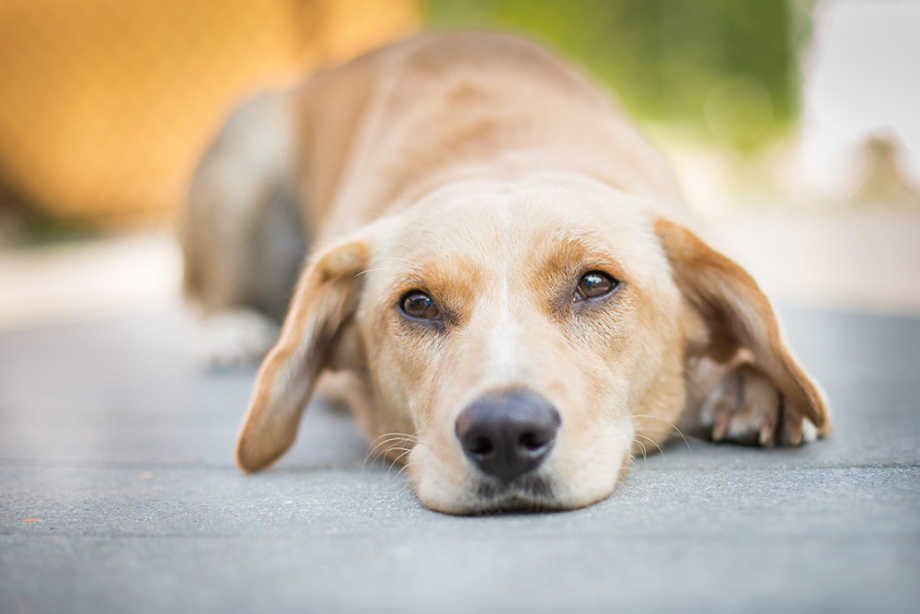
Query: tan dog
[503, 277]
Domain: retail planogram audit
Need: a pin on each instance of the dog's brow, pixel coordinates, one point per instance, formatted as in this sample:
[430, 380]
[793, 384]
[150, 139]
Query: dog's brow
[452, 279]
[567, 252]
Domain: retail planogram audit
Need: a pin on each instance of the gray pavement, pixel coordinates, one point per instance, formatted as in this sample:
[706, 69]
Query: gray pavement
[118, 493]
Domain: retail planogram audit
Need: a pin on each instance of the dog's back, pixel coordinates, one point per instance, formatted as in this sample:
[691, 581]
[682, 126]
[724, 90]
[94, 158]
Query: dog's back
[399, 121]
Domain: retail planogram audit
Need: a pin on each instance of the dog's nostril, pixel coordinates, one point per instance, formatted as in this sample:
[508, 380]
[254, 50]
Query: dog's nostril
[481, 446]
[531, 441]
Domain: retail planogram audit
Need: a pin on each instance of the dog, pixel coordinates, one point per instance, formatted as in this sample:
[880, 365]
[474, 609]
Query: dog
[503, 282]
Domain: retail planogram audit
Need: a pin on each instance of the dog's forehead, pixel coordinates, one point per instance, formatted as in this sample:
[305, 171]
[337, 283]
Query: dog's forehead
[482, 221]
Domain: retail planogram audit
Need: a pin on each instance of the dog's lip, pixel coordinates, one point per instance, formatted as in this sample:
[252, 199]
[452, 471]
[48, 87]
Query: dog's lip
[526, 493]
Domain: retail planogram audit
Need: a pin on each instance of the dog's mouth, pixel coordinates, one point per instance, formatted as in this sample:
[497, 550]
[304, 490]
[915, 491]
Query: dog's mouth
[526, 493]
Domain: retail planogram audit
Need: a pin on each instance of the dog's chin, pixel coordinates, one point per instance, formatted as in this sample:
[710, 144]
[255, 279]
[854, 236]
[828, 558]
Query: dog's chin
[530, 493]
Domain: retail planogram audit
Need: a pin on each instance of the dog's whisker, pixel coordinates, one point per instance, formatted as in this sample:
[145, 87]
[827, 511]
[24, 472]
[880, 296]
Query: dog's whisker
[673, 426]
[374, 452]
[682, 436]
[404, 452]
[405, 466]
[386, 439]
[397, 449]
[644, 449]
[380, 454]
[404, 485]
[396, 460]
[392, 434]
[639, 443]
[392, 449]
[651, 441]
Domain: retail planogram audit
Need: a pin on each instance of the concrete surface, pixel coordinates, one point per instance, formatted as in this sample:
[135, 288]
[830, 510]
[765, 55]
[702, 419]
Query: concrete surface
[118, 494]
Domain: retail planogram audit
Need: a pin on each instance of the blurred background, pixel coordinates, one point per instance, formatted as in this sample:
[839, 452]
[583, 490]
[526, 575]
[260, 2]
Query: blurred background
[792, 123]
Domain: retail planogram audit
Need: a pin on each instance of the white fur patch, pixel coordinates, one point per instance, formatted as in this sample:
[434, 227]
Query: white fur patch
[809, 432]
[236, 337]
[503, 339]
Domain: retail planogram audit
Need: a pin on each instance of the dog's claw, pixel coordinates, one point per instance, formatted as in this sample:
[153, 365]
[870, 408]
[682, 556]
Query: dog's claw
[767, 429]
[792, 427]
[720, 426]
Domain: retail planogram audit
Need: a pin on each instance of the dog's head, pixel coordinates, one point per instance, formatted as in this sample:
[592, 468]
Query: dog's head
[525, 333]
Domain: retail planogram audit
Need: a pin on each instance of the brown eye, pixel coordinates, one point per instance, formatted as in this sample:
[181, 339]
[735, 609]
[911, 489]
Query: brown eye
[594, 284]
[417, 304]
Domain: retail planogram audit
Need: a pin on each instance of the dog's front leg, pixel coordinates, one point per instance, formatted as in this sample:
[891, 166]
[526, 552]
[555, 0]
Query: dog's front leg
[745, 407]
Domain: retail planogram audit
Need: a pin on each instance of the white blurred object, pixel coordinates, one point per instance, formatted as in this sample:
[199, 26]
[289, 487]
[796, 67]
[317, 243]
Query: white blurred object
[234, 338]
[89, 280]
[862, 90]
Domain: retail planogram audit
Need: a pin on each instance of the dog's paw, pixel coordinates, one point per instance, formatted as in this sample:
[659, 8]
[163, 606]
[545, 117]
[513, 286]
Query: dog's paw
[235, 338]
[745, 407]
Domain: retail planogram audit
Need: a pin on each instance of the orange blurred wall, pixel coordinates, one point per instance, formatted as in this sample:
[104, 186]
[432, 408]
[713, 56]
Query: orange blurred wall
[106, 104]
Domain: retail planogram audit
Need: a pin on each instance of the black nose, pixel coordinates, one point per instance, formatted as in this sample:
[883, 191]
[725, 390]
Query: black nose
[508, 433]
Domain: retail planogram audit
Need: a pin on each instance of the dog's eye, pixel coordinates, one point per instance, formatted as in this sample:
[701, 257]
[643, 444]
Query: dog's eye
[417, 304]
[594, 284]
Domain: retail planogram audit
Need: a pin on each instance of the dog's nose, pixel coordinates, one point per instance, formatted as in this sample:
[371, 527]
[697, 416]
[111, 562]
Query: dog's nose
[508, 433]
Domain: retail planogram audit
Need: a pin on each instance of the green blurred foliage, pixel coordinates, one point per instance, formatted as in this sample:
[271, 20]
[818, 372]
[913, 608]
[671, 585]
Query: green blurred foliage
[24, 223]
[726, 70]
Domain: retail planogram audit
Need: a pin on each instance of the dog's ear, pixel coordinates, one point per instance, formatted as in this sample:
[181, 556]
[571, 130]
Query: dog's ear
[731, 313]
[325, 298]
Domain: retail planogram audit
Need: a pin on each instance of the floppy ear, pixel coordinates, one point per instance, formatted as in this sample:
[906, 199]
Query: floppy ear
[735, 315]
[325, 298]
